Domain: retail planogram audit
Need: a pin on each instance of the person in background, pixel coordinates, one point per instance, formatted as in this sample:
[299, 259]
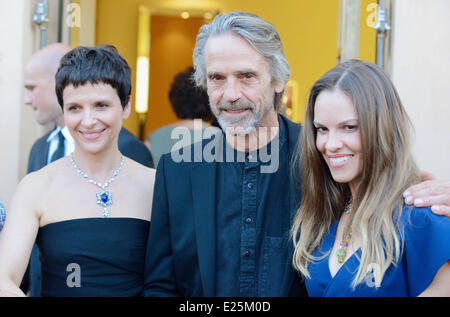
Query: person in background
[89, 212]
[191, 105]
[2, 215]
[353, 233]
[40, 95]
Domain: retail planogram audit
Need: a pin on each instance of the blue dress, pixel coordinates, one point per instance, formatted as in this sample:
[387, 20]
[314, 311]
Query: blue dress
[93, 257]
[426, 249]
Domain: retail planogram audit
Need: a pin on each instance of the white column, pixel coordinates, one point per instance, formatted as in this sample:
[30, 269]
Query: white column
[348, 29]
[420, 71]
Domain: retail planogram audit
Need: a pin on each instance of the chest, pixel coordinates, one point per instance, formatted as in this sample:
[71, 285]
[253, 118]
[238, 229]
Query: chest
[344, 246]
[71, 198]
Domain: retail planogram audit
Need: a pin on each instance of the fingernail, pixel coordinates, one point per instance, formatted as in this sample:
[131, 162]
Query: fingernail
[409, 200]
[418, 201]
[435, 208]
[406, 193]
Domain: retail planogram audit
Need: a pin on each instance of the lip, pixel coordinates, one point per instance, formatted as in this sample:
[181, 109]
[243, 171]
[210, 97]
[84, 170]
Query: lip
[92, 134]
[235, 112]
[339, 160]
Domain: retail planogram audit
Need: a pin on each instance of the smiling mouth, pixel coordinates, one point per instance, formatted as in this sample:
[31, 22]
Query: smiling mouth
[339, 161]
[92, 135]
[235, 111]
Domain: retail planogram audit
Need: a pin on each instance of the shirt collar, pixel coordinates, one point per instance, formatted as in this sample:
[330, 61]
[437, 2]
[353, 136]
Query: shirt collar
[65, 132]
[67, 135]
[53, 134]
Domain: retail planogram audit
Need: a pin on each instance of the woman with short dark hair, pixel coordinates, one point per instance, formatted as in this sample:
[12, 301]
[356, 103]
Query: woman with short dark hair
[89, 212]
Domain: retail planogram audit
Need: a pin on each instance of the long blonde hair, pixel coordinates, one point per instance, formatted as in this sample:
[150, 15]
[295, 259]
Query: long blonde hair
[388, 170]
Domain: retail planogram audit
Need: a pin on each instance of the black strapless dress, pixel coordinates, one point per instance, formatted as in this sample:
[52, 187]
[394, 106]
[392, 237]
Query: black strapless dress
[93, 257]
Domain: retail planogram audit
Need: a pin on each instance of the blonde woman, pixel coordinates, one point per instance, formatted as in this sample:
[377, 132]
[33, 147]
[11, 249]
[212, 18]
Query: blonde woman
[352, 234]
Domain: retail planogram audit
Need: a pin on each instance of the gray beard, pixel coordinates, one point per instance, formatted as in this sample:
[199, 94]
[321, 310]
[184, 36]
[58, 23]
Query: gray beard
[250, 126]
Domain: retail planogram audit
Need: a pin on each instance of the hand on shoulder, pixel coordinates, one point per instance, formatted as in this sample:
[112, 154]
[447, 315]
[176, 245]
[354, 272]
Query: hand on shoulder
[434, 193]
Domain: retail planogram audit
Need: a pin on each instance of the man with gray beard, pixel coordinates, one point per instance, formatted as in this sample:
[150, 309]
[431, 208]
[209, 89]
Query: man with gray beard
[221, 227]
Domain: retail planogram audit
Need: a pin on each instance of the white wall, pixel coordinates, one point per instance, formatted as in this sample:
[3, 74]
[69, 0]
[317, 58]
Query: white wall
[12, 15]
[19, 38]
[421, 73]
[18, 128]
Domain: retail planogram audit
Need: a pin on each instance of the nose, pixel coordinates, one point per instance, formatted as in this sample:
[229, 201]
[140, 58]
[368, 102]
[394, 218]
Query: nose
[89, 118]
[28, 99]
[232, 91]
[333, 142]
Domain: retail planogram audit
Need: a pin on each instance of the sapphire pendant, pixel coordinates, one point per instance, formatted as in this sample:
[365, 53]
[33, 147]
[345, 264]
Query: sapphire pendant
[104, 199]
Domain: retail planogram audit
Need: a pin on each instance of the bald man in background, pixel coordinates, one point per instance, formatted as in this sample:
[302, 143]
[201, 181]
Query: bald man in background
[41, 97]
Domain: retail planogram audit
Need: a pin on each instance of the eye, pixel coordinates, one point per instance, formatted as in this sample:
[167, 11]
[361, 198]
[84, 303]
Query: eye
[73, 108]
[102, 105]
[320, 129]
[248, 75]
[351, 127]
[215, 77]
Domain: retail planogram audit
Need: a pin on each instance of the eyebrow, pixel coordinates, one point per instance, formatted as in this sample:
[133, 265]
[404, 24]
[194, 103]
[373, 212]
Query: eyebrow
[95, 102]
[239, 72]
[340, 123]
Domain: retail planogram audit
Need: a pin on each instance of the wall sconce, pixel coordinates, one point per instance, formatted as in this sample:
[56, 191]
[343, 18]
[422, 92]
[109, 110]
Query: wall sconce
[143, 68]
[290, 101]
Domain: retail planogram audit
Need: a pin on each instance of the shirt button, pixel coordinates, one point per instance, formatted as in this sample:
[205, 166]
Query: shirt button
[247, 253]
[250, 157]
[248, 220]
[250, 185]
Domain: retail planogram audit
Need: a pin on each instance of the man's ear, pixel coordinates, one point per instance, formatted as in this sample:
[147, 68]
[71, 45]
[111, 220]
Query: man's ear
[127, 109]
[278, 87]
[426, 176]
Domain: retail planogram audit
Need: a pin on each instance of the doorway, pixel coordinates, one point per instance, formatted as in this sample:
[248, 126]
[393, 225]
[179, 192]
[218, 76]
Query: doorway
[172, 41]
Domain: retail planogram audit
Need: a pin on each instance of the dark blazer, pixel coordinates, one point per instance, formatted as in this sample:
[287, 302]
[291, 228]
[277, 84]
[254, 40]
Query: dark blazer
[181, 249]
[129, 146]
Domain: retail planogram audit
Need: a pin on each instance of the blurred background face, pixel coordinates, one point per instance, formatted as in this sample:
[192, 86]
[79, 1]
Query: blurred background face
[338, 138]
[94, 115]
[40, 94]
[239, 84]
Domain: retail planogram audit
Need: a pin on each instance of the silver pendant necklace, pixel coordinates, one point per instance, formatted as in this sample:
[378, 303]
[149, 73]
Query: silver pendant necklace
[104, 198]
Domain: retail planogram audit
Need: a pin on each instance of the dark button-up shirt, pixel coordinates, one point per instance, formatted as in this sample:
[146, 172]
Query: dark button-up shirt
[252, 224]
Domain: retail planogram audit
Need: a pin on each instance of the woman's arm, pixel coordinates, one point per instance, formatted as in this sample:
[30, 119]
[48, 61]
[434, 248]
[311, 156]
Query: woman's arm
[19, 234]
[440, 286]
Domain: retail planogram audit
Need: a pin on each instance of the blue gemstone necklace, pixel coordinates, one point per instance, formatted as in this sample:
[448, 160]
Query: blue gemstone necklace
[104, 198]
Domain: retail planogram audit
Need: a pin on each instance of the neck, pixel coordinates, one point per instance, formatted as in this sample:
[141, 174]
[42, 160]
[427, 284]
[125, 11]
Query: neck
[60, 122]
[99, 166]
[192, 124]
[258, 138]
[353, 189]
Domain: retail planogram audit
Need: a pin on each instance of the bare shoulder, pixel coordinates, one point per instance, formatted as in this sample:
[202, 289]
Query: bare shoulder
[36, 184]
[29, 193]
[140, 173]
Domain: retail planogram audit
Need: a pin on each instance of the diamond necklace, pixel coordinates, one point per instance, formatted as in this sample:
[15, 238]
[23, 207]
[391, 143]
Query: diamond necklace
[104, 198]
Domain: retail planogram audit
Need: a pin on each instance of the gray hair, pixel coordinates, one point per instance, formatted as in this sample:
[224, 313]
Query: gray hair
[257, 32]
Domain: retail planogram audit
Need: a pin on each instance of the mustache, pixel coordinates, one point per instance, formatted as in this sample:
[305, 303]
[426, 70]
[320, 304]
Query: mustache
[238, 105]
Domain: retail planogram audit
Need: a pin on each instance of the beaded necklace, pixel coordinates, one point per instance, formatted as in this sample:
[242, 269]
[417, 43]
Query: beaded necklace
[104, 198]
[343, 245]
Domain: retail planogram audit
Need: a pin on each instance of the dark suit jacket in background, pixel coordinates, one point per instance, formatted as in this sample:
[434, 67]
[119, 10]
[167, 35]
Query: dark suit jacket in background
[181, 250]
[129, 146]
